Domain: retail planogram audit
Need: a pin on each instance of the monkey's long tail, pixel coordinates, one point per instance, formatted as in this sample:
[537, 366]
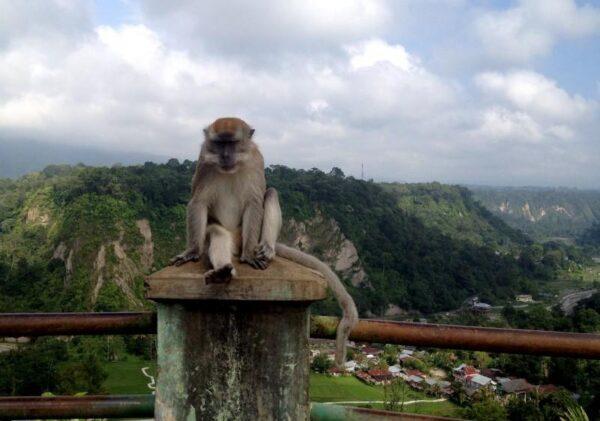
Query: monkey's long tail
[350, 314]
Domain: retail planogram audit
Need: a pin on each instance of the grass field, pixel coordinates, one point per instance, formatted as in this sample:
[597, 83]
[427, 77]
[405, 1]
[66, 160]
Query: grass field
[440, 409]
[125, 377]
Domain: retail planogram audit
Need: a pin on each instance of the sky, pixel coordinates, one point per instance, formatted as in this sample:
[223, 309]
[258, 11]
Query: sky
[472, 92]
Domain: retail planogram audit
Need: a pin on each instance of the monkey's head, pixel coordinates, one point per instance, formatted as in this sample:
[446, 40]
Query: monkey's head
[227, 142]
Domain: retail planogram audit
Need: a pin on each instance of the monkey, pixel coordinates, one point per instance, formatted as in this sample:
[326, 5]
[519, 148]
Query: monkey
[232, 213]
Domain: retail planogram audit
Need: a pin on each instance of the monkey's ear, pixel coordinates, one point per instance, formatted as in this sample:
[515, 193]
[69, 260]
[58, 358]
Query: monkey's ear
[250, 133]
[209, 133]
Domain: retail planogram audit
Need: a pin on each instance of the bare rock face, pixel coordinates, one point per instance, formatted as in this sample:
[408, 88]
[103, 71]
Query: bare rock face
[121, 270]
[323, 237]
[123, 274]
[147, 252]
[62, 253]
[35, 215]
[99, 265]
[347, 256]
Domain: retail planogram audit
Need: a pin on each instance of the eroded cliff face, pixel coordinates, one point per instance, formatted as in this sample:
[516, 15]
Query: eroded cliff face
[119, 263]
[323, 237]
[543, 213]
[117, 266]
[534, 214]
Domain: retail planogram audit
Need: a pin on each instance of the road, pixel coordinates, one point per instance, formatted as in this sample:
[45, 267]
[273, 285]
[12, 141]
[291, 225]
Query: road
[569, 301]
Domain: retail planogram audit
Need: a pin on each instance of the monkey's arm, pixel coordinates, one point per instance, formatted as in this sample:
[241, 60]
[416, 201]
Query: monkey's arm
[252, 221]
[197, 216]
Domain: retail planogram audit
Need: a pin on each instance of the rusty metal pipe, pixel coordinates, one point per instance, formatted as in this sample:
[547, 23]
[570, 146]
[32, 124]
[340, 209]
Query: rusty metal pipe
[577, 345]
[40, 324]
[33, 407]
[516, 341]
[138, 406]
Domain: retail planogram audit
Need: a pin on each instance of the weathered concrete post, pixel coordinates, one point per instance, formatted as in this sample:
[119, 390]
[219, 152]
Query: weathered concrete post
[236, 351]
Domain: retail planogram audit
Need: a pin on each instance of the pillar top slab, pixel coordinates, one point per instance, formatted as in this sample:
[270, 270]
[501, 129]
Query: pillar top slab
[283, 280]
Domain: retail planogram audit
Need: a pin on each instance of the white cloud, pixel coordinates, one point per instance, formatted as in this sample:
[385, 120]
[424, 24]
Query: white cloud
[531, 28]
[533, 92]
[501, 124]
[268, 27]
[329, 89]
[375, 51]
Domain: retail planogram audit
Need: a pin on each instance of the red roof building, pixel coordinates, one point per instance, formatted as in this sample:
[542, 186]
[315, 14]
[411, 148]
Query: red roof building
[380, 375]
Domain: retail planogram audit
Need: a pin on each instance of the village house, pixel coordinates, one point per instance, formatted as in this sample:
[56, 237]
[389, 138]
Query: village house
[381, 377]
[416, 382]
[334, 372]
[364, 376]
[441, 387]
[395, 370]
[477, 382]
[524, 298]
[492, 373]
[517, 387]
[462, 371]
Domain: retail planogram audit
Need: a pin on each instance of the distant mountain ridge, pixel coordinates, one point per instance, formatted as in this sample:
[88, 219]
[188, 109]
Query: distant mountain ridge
[20, 157]
[543, 213]
[80, 238]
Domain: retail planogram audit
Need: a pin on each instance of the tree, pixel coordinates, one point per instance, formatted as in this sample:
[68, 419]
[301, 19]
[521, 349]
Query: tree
[487, 409]
[321, 363]
[390, 354]
[394, 395]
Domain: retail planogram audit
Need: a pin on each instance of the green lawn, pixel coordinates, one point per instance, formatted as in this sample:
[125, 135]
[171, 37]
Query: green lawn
[440, 409]
[125, 377]
[325, 388]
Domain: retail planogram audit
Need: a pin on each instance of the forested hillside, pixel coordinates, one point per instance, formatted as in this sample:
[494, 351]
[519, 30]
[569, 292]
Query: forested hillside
[543, 213]
[79, 238]
[454, 211]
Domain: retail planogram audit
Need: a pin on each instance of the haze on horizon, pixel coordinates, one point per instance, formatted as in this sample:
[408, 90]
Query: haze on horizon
[485, 92]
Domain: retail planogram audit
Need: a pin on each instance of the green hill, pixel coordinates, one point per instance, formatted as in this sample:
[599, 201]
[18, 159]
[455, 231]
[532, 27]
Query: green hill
[78, 238]
[453, 211]
[543, 213]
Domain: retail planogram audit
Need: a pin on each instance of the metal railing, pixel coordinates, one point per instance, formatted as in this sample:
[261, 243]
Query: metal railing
[517, 341]
[577, 345]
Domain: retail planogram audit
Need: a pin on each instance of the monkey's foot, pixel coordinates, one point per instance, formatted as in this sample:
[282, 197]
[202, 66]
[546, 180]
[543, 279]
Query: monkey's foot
[256, 262]
[184, 257]
[221, 275]
[263, 254]
[265, 251]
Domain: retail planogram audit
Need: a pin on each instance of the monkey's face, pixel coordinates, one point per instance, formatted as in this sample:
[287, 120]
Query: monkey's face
[226, 144]
[226, 154]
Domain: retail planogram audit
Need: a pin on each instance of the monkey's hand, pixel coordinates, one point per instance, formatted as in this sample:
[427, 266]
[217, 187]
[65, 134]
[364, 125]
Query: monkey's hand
[186, 256]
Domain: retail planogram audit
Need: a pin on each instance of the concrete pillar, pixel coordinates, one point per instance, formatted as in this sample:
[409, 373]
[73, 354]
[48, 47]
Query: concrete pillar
[236, 351]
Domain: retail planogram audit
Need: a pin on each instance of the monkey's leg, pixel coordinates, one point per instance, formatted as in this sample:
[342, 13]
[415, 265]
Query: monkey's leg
[197, 216]
[251, 226]
[265, 252]
[220, 251]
